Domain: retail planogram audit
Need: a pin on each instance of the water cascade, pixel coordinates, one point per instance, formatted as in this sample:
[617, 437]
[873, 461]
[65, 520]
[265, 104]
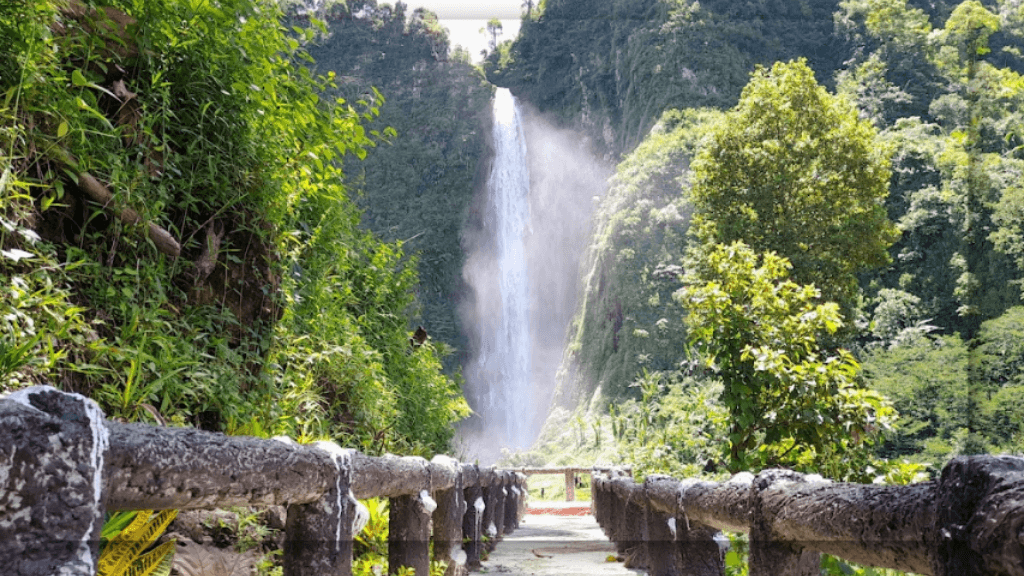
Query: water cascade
[530, 228]
[503, 358]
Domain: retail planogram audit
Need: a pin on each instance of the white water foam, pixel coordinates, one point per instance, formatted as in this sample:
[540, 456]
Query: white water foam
[503, 364]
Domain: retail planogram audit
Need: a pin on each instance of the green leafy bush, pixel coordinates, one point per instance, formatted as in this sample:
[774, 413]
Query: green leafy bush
[280, 315]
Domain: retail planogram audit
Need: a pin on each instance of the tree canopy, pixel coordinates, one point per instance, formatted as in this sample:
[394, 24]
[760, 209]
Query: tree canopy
[791, 401]
[792, 169]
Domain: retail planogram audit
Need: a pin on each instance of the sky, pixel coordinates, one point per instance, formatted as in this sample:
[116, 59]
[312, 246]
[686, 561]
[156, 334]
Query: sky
[465, 18]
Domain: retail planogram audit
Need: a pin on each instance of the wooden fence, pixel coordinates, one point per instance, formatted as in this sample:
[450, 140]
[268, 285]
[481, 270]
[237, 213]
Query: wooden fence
[62, 466]
[968, 522]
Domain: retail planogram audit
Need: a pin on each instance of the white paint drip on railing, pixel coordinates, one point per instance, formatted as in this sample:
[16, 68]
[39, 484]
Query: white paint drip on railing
[457, 554]
[361, 517]
[428, 503]
[479, 506]
[342, 459]
[285, 440]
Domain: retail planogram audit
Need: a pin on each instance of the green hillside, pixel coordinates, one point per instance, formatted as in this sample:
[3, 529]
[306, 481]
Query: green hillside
[179, 240]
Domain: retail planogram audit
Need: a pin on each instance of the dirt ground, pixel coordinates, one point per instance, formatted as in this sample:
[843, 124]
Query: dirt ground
[548, 545]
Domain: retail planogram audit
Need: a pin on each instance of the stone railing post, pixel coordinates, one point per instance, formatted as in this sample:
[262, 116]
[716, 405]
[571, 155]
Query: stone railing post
[451, 508]
[318, 535]
[770, 556]
[979, 505]
[617, 519]
[499, 491]
[409, 531]
[472, 521]
[699, 553]
[636, 524]
[52, 490]
[596, 500]
[524, 486]
[490, 486]
[663, 554]
[629, 521]
[512, 498]
[570, 486]
[695, 551]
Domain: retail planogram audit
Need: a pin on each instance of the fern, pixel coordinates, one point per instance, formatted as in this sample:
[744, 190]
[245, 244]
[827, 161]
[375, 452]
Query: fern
[125, 551]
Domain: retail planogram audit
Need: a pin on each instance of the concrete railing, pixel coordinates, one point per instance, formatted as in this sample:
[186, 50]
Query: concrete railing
[969, 522]
[571, 473]
[62, 466]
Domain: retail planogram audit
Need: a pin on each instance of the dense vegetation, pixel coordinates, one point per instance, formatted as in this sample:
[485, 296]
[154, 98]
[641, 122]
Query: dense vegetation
[196, 126]
[418, 188]
[611, 67]
[908, 220]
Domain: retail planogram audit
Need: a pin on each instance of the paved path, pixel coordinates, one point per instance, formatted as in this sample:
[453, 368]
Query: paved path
[548, 545]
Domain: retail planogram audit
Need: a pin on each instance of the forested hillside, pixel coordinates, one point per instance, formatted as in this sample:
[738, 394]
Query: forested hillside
[611, 67]
[178, 241]
[416, 188]
[885, 166]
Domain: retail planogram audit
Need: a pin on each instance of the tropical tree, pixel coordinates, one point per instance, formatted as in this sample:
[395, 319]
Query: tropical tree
[791, 401]
[792, 169]
[493, 30]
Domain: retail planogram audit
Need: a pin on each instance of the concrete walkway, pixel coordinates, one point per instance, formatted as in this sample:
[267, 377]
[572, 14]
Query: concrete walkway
[550, 545]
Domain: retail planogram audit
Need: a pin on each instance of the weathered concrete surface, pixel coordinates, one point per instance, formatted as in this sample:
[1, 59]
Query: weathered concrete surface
[556, 546]
[184, 468]
[51, 488]
[318, 535]
[980, 517]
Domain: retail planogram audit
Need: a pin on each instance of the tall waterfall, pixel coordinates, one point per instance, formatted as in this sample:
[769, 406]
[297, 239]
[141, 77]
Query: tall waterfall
[504, 355]
[529, 228]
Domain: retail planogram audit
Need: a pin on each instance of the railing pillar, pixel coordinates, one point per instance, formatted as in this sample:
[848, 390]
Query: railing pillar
[409, 532]
[629, 521]
[699, 553]
[618, 526]
[490, 487]
[768, 555]
[661, 535]
[473, 519]
[524, 487]
[451, 508]
[636, 524]
[512, 498]
[499, 492]
[570, 486]
[51, 488]
[318, 535]
[979, 505]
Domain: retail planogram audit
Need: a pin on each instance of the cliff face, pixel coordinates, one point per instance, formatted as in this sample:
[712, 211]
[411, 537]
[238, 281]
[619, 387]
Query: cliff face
[417, 188]
[611, 67]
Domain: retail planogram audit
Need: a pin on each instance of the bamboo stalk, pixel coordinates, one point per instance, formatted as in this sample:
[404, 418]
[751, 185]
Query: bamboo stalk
[98, 192]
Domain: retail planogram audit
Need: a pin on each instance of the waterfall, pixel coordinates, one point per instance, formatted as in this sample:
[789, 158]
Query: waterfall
[530, 227]
[503, 359]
